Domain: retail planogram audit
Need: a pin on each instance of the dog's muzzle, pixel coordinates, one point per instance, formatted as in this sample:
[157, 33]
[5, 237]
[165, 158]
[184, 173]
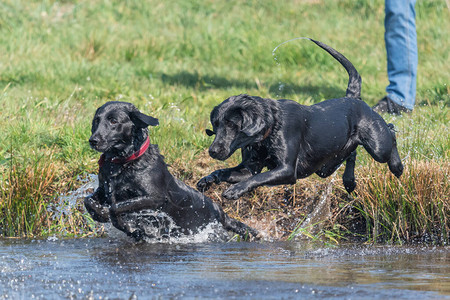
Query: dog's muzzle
[218, 152]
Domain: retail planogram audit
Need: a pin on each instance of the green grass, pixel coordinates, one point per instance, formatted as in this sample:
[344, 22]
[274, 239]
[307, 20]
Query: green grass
[175, 60]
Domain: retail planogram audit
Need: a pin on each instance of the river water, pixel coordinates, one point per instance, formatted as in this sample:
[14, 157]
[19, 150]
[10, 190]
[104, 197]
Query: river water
[116, 268]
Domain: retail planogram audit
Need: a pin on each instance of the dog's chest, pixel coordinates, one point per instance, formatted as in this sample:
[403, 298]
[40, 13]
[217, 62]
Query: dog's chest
[121, 183]
[258, 154]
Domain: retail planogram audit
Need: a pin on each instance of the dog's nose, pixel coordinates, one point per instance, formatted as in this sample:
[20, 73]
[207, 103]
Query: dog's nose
[93, 141]
[212, 152]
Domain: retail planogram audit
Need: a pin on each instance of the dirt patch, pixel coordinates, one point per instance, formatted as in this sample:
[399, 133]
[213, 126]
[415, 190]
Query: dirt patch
[414, 208]
[275, 211]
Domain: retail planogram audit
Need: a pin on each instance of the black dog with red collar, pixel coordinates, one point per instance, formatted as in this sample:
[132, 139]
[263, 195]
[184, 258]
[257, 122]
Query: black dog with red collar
[133, 177]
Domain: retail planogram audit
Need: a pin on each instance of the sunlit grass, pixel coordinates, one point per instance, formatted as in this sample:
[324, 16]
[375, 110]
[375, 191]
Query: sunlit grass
[60, 60]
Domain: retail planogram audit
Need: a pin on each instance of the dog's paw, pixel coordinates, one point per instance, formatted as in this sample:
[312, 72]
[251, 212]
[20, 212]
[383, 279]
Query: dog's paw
[206, 182]
[138, 235]
[116, 220]
[235, 191]
[349, 182]
[350, 186]
[99, 213]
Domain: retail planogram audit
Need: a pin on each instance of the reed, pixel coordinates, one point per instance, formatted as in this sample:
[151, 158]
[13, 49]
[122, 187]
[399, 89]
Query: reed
[414, 208]
[24, 190]
[30, 199]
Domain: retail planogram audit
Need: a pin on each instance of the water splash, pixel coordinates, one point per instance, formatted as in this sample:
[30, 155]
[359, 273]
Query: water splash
[321, 212]
[155, 226]
[285, 42]
[68, 207]
[159, 227]
[67, 203]
[281, 85]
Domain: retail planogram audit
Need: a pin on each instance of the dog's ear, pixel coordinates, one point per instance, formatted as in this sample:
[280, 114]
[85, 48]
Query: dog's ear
[142, 120]
[251, 124]
[209, 132]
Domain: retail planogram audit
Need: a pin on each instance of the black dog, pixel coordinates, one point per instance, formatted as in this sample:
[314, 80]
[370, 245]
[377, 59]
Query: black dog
[133, 177]
[294, 141]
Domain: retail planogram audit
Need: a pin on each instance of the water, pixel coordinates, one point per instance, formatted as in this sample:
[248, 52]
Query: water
[190, 268]
[116, 268]
[285, 42]
[281, 86]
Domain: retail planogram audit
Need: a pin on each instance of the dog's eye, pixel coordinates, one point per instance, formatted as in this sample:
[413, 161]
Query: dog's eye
[113, 121]
[228, 123]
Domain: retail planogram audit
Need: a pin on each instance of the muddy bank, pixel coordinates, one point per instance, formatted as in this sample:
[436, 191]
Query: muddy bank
[383, 209]
[412, 209]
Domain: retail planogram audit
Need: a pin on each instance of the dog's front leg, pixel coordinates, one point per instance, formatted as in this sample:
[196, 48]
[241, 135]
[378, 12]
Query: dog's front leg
[95, 205]
[135, 204]
[231, 175]
[284, 174]
[115, 216]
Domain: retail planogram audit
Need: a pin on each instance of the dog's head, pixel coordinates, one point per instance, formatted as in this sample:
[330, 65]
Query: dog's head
[237, 122]
[117, 127]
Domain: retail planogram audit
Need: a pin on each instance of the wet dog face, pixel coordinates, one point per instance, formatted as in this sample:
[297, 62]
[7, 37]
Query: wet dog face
[237, 122]
[114, 127]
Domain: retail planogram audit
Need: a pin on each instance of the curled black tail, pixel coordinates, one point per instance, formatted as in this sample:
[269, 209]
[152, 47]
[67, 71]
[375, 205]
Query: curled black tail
[354, 79]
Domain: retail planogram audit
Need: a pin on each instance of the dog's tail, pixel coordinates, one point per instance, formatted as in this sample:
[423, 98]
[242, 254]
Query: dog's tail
[354, 79]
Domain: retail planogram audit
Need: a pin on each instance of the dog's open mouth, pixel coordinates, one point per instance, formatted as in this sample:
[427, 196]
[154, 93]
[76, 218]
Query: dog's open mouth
[102, 148]
[107, 146]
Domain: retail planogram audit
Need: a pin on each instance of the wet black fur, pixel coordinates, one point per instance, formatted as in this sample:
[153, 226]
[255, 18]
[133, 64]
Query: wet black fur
[294, 141]
[119, 130]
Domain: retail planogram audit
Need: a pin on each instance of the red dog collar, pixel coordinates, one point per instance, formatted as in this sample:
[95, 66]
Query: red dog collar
[118, 160]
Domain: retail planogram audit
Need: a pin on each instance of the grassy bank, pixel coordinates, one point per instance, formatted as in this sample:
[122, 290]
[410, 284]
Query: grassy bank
[60, 60]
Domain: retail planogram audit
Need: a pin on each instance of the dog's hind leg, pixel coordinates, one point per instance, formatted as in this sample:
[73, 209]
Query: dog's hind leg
[379, 140]
[349, 174]
[394, 162]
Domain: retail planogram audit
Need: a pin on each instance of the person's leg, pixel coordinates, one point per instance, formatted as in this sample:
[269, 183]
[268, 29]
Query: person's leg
[401, 48]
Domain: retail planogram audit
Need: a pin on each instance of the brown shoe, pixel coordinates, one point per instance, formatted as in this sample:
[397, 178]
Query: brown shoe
[386, 105]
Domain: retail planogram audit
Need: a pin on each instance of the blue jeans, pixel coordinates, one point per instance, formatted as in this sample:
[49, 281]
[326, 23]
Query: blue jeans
[401, 48]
